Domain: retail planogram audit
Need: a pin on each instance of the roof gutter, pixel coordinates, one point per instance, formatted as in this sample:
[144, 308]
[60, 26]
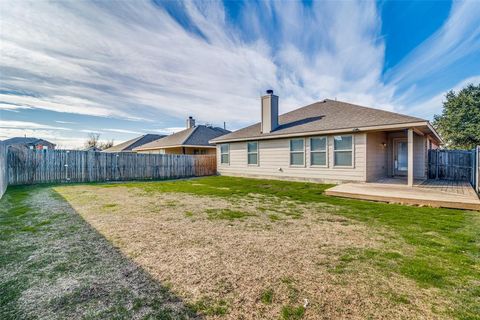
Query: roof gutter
[344, 130]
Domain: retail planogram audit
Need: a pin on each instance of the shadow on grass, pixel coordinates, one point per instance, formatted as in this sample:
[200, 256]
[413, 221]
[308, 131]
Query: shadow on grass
[53, 264]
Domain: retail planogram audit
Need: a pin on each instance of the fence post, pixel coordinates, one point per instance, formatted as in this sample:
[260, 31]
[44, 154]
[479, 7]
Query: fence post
[477, 169]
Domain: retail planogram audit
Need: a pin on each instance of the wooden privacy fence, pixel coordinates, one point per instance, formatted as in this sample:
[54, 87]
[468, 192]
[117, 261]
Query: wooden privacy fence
[456, 165]
[56, 166]
[3, 169]
[477, 170]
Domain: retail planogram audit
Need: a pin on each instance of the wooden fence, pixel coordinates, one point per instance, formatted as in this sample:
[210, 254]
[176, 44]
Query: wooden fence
[451, 165]
[477, 169]
[3, 169]
[60, 166]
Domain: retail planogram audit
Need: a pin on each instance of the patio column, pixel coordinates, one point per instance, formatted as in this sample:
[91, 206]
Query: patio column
[410, 157]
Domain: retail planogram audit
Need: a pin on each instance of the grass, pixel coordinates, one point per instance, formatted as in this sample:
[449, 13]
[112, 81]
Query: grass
[292, 313]
[210, 307]
[226, 214]
[435, 248]
[445, 242]
[53, 265]
[267, 296]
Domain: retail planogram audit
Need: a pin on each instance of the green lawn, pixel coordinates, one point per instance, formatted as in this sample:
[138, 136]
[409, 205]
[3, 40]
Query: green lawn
[443, 251]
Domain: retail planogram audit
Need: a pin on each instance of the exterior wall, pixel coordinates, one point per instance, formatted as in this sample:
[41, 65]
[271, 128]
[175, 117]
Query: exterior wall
[419, 153]
[274, 162]
[180, 150]
[377, 155]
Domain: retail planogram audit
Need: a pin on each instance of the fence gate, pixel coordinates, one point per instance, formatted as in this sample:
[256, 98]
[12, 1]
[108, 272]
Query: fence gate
[455, 165]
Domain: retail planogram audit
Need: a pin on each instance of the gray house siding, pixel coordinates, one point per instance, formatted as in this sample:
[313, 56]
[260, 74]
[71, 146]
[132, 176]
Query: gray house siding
[274, 162]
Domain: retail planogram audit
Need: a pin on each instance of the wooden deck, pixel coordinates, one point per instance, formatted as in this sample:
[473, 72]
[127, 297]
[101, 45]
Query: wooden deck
[433, 193]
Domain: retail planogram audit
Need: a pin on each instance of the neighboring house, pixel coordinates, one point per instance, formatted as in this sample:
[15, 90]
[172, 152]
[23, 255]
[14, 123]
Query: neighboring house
[193, 140]
[94, 149]
[328, 141]
[129, 145]
[30, 143]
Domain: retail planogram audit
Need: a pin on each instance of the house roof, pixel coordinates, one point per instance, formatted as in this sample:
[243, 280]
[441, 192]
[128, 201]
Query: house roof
[327, 115]
[136, 142]
[26, 141]
[196, 136]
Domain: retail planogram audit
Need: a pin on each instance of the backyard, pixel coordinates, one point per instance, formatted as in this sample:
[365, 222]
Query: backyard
[231, 248]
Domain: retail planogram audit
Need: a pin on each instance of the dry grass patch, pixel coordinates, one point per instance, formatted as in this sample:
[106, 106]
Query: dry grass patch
[253, 257]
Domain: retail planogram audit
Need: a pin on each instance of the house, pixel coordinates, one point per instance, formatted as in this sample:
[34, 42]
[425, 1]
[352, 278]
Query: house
[193, 140]
[93, 149]
[129, 145]
[30, 143]
[328, 141]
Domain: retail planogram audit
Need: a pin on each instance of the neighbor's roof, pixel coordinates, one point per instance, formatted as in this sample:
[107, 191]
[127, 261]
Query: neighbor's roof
[325, 115]
[26, 141]
[196, 136]
[136, 142]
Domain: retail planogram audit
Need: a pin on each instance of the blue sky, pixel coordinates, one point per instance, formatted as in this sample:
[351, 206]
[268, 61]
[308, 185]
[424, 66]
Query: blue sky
[122, 69]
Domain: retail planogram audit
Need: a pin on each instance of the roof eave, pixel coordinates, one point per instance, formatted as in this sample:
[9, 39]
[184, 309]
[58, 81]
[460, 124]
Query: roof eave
[174, 146]
[429, 125]
[342, 130]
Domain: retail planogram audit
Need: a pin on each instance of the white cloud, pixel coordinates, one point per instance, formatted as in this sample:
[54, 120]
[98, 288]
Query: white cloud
[133, 60]
[122, 131]
[65, 122]
[457, 38]
[50, 135]
[90, 131]
[434, 104]
[27, 125]
[168, 130]
[12, 107]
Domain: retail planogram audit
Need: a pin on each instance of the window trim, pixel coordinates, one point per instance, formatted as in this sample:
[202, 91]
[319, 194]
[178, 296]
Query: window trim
[326, 152]
[257, 153]
[227, 153]
[290, 153]
[352, 150]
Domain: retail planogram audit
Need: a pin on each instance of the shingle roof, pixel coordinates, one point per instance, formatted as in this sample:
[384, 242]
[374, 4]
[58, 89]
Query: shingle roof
[195, 136]
[136, 142]
[26, 141]
[322, 116]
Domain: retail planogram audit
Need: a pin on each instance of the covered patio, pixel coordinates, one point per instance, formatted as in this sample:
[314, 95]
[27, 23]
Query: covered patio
[433, 193]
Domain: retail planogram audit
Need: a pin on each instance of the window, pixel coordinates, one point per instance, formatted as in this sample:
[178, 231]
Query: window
[224, 154]
[252, 152]
[343, 151]
[297, 152]
[318, 151]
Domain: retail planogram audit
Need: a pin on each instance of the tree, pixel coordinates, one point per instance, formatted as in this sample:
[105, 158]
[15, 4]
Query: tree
[106, 145]
[93, 141]
[459, 123]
